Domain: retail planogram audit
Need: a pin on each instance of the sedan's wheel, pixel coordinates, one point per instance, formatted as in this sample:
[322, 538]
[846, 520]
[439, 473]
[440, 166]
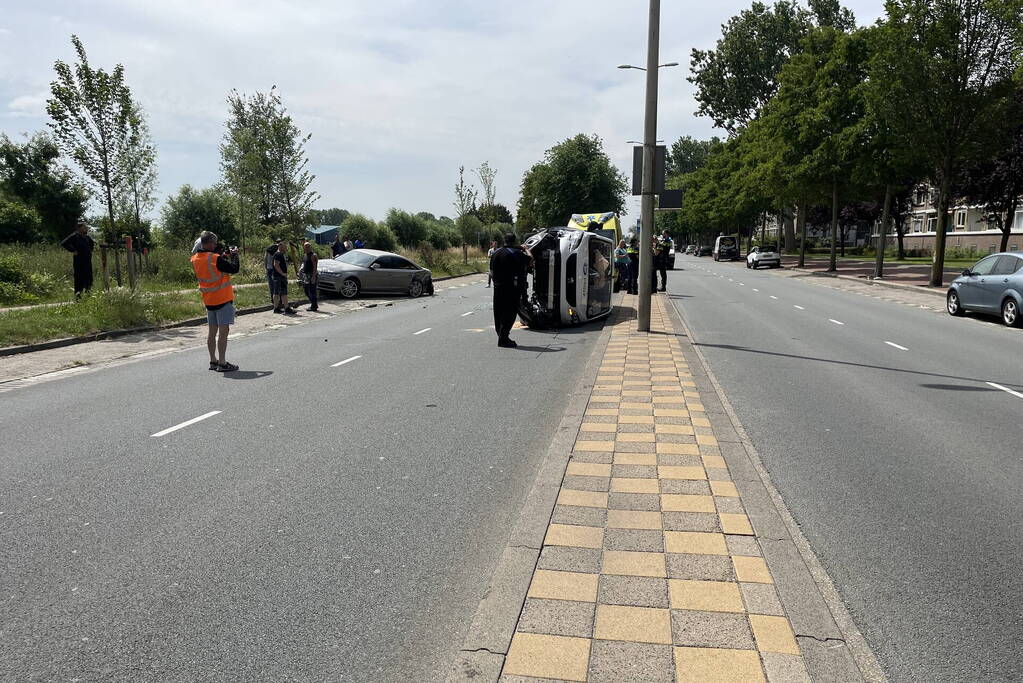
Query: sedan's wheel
[748, 265]
[1010, 313]
[415, 289]
[754, 266]
[349, 288]
[952, 303]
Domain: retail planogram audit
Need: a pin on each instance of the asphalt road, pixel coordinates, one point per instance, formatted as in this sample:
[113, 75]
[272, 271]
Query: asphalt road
[329, 523]
[896, 456]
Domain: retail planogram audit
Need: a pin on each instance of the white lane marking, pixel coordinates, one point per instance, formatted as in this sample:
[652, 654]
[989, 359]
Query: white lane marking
[465, 314]
[799, 307]
[425, 329]
[755, 289]
[742, 284]
[900, 347]
[346, 360]
[1006, 390]
[837, 322]
[731, 280]
[773, 297]
[186, 423]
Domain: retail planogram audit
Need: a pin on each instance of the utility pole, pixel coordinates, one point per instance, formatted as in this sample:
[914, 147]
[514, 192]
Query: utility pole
[647, 187]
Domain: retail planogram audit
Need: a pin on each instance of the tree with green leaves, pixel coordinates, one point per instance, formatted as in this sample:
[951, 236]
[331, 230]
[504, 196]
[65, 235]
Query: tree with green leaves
[575, 176]
[43, 198]
[487, 175]
[465, 203]
[91, 117]
[688, 154]
[137, 194]
[409, 229]
[190, 211]
[948, 66]
[494, 213]
[333, 216]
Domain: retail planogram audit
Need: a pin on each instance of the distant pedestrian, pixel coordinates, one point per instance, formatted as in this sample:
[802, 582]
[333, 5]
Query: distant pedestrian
[337, 247]
[280, 280]
[349, 245]
[633, 254]
[508, 265]
[622, 266]
[81, 245]
[359, 244]
[662, 248]
[213, 269]
[269, 263]
[310, 278]
[490, 255]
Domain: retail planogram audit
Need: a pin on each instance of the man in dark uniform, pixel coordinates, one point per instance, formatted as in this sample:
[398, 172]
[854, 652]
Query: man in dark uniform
[508, 266]
[633, 254]
[80, 244]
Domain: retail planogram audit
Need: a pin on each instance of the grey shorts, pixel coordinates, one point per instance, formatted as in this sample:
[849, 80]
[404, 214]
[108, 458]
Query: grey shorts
[222, 316]
[280, 286]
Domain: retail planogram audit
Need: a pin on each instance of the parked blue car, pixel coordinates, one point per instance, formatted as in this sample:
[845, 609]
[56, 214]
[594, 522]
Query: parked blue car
[992, 285]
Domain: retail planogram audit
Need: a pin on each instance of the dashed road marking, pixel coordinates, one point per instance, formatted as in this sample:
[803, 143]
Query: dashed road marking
[425, 329]
[467, 313]
[755, 289]
[1006, 390]
[773, 297]
[837, 322]
[799, 307]
[346, 360]
[900, 347]
[186, 423]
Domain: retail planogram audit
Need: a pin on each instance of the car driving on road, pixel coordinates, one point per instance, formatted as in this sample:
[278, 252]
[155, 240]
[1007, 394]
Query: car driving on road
[763, 255]
[370, 270]
[993, 284]
[726, 247]
[703, 251]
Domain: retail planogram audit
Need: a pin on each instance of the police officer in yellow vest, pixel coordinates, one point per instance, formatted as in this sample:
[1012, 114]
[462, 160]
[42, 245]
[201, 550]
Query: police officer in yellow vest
[213, 267]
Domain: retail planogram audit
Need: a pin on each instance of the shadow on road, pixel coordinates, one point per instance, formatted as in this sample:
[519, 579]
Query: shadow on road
[956, 387]
[733, 347]
[539, 349]
[248, 374]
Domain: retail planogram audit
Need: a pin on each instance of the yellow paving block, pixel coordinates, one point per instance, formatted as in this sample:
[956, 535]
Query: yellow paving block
[695, 542]
[634, 624]
[707, 596]
[713, 461]
[633, 563]
[575, 536]
[635, 459]
[673, 429]
[751, 569]
[724, 488]
[735, 523]
[680, 472]
[564, 586]
[635, 393]
[706, 440]
[597, 427]
[633, 519]
[716, 665]
[679, 502]
[588, 469]
[601, 446]
[669, 401]
[541, 656]
[671, 412]
[633, 405]
[588, 499]
[632, 485]
[635, 419]
[773, 634]
[635, 438]
[635, 383]
[695, 407]
[678, 449]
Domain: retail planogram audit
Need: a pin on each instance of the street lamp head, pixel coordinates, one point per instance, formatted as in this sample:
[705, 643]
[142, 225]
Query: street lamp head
[668, 64]
[627, 66]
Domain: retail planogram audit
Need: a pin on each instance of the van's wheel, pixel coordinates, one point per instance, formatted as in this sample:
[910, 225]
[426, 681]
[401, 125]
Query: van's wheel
[1010, 313]
[349, 289]
[953, 305]
[415, 289]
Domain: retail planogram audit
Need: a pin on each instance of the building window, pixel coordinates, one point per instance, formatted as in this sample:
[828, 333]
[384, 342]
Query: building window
[917, 224]
[932, 224]
[1018, 223]
[921, 196]
[961, 219]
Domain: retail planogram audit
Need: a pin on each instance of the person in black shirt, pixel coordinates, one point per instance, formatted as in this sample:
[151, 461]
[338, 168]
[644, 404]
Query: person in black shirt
[280, 279]
[508, 267]
[80, 244]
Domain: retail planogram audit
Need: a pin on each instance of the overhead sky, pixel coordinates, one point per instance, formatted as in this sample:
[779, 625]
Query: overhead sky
[397, 94]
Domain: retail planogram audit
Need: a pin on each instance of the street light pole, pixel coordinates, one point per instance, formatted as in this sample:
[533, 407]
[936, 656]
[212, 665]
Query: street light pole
[647, 186]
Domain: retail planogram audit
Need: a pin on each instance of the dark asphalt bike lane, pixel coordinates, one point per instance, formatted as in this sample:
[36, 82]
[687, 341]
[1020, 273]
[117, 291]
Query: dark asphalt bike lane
[901, 467]
[352, 538]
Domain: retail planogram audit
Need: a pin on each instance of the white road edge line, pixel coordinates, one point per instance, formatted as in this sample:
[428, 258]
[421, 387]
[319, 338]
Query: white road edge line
[186, 423]
[425, 329]
[900, 347]
[346, 360]
[1006, 390]
[799, 307]
[465, 314]
[837, 322]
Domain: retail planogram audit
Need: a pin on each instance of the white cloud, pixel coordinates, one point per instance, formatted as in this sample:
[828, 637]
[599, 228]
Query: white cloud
[396, 93]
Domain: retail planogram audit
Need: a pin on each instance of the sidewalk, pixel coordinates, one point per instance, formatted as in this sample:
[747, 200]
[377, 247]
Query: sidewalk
[651, 569]
[911, 274]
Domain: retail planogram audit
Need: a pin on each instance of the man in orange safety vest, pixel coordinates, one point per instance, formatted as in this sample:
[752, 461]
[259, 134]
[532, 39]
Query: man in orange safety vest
[213, 267]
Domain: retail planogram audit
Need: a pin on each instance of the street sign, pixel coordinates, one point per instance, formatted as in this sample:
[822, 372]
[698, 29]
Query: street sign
[670, 199]
[660, 153]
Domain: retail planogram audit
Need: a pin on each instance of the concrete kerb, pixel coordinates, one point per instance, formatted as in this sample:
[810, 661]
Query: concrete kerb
[486, 644]
[114, 334]
[872, 281]
[832, 646]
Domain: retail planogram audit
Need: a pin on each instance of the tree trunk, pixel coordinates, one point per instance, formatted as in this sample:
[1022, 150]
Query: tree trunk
[900, 232]
[801, 226]
[844, 234]
[833, 264]
[763, 229]
[110, 217]
[882, 232]
[938, 262]
[1010, 219]
[790, 231]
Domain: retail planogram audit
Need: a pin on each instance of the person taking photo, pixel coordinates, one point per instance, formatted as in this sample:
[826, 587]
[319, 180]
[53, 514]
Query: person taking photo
[213, 269]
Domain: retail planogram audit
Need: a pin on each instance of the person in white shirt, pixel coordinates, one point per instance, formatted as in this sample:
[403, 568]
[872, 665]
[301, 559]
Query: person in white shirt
[490, 255]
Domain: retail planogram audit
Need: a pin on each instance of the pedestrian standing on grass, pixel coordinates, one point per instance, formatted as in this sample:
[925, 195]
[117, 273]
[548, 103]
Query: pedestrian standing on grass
[213, 268]
[81, 245]
[490, 255]
[269, 263]
[310, 277]
[280, 278]
[349, 245]
[337, 247]
[508, 265]
[359, 244]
